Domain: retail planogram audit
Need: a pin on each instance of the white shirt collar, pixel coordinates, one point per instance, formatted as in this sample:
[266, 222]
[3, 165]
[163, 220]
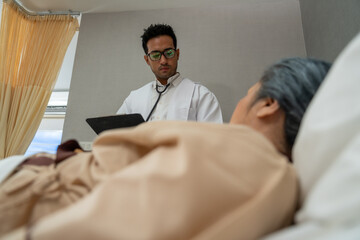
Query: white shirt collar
[174, 80]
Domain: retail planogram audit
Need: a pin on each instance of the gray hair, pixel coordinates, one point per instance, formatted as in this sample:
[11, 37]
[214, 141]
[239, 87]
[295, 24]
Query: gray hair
[292, 82]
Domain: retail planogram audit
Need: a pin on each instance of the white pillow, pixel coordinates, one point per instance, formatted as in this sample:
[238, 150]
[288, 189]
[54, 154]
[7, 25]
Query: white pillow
[8, 165]
[327, 156]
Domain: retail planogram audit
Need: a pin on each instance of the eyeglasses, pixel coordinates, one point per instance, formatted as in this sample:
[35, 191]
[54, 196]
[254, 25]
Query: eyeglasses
[156, 55]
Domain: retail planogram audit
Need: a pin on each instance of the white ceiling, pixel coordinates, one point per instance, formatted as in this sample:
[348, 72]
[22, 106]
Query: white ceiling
[97, 6]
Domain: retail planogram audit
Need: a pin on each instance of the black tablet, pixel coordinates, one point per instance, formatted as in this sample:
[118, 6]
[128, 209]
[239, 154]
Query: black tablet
[99, 124]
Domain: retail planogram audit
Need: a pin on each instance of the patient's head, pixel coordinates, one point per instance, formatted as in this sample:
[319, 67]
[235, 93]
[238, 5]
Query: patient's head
[276, 104]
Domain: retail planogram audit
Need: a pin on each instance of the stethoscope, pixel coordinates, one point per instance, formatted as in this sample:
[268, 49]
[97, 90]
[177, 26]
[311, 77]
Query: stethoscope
[159, 92]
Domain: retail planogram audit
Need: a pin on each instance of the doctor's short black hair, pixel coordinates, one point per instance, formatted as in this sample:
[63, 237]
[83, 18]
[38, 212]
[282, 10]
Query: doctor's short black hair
[155, 30]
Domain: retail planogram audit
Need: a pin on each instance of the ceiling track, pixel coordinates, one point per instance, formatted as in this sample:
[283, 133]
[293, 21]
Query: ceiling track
[45, 13]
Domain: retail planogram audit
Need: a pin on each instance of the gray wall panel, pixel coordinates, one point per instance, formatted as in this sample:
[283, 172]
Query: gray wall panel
[329, 25]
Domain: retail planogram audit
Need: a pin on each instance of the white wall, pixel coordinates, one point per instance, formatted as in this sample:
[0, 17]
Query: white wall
[64, 77]
[226, 48]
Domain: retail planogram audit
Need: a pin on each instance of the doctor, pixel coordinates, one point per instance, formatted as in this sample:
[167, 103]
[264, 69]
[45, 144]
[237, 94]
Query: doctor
[170, 96]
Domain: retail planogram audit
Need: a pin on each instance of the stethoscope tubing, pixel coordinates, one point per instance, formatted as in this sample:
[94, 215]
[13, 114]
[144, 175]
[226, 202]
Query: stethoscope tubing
[157, 101]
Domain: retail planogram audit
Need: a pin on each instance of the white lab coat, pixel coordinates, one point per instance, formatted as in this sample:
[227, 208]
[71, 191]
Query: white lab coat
[189, 102]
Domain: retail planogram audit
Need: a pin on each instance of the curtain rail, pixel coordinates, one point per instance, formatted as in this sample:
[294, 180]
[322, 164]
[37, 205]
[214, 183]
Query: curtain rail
[44, 13]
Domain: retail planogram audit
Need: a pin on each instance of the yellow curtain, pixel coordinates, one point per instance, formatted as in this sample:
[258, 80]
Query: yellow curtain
[32, 49]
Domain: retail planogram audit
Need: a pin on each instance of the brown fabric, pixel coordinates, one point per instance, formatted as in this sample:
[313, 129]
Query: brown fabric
[35, 188]
[38, 161]
[63, 152]
[67, 149]
[169, 180]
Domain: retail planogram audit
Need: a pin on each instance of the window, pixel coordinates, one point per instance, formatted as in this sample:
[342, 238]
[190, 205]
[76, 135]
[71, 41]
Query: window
[49, 134]
[45, 141]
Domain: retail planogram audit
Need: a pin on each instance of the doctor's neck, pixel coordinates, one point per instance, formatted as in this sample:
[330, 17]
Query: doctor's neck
[163, 81]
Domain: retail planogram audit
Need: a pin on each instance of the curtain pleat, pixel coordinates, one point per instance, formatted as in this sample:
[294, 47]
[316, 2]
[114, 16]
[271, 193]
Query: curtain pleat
[32, 49]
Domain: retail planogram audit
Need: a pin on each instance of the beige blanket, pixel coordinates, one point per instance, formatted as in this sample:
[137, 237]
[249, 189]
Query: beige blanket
[169, 180]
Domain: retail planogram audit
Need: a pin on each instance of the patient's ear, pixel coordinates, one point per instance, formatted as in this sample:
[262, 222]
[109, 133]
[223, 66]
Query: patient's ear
[268, 106]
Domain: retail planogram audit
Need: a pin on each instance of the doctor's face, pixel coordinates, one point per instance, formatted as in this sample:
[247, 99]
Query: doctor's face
[165, 67]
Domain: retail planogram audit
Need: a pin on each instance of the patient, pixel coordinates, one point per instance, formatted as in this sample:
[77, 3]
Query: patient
[174, 180]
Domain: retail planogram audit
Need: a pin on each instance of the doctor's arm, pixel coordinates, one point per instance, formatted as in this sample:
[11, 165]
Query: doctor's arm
[125, 107]
[208, 109]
